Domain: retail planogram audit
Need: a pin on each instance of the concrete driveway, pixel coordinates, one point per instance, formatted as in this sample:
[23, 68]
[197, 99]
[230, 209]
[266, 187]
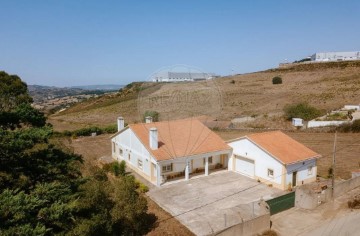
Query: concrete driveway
[211, 203]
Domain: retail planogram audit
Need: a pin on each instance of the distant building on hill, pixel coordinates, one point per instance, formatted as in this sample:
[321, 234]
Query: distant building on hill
[335, 56]
[181, 76]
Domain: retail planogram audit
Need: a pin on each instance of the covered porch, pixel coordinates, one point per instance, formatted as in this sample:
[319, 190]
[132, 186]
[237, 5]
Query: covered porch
[187, 167]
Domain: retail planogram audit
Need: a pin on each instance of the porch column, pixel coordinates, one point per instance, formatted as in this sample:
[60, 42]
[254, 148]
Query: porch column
[158, 180]
[187, 170]
[206, 166]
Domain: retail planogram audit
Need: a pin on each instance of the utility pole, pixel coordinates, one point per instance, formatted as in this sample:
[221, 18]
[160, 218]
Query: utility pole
[333, 167]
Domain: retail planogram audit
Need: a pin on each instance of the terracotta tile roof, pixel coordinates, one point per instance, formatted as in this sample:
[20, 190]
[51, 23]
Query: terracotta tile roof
[282, 147]
[180, 138]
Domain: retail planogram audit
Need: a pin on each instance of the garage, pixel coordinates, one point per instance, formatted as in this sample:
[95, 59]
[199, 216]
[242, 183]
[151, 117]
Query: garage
[245, 166]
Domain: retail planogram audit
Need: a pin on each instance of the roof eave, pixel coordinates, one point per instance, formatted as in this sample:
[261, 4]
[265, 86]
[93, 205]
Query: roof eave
[119, 132]
[294, 162]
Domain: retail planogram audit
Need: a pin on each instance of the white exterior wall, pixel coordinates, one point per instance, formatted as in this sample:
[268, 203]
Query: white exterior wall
[302, 171]
[314, 123]
[130, 144]
[263, 161]
[297, 122]
[352, 107]
[335, 56]
[197, 162]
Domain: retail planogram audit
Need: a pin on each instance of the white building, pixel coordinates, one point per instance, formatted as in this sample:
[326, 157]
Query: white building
[181, 76]
[179, 149]
[335, 56]
[273, 158]
[297, 122]
[161, 151]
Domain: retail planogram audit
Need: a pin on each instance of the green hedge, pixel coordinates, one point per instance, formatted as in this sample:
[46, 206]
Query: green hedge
[111, 129]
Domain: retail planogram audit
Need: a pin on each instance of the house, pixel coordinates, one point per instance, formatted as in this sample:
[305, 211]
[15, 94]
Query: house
[335, 56]
[161, 151]
[182, 76]
[273, 158]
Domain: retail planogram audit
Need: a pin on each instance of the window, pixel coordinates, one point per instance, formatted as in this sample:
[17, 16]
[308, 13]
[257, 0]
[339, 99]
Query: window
[129, 157]
[209, 160]
[271, 173]
[140, 164]
[120, 151]
[310, 170]
[114, 150]
[167, 168]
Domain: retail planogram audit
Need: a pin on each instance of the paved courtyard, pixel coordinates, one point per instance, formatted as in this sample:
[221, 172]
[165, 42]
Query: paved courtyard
[211, 203]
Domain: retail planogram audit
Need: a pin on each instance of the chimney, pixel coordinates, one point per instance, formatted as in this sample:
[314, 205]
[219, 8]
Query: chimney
[148, 119]
[120, 122]
[153, 138]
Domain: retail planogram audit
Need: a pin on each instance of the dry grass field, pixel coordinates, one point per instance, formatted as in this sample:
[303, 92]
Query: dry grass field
[325, 86]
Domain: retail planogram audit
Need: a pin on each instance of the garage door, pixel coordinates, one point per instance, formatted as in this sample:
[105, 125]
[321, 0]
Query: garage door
[244, 166]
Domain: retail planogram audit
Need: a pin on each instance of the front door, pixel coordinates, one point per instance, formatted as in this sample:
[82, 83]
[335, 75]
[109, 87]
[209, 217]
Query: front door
[294, 179]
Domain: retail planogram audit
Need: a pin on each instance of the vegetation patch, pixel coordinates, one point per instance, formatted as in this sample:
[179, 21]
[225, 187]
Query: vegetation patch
[301, 110]
[277, 80]
[154, 114]
[111, 129]
[353, 127]
[354, 203]
[43, 192]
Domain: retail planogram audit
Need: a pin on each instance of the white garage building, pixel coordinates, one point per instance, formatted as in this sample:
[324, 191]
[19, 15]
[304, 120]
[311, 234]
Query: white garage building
[273, 158]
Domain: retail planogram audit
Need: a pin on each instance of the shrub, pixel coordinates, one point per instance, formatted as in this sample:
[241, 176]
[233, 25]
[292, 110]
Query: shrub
[87, 131]
[268, 232]
[354, 127]
[122, 168]
[111, 129]
[277, 80]
[301, 110]
[118, 169]
[355, 203]
[232, 81]
[153, 114]
[115, 167]
[142, 188]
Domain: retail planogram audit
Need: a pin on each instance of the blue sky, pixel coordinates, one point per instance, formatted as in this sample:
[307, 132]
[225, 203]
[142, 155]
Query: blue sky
[80, 42]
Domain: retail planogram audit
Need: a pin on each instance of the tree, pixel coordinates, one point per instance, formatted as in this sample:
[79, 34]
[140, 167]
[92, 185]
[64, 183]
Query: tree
[42, 191]
[301, 110]
[153, 114]
[13, 92]
[277, 80]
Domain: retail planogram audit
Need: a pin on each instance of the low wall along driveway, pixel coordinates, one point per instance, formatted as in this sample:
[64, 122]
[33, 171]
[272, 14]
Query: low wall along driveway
[306, 198]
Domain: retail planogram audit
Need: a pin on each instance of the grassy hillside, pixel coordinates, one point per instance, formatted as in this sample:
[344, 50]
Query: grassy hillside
[324, 85]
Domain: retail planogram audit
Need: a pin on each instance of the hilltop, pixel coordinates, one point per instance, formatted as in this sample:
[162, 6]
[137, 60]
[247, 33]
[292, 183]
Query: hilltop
[324, 85]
